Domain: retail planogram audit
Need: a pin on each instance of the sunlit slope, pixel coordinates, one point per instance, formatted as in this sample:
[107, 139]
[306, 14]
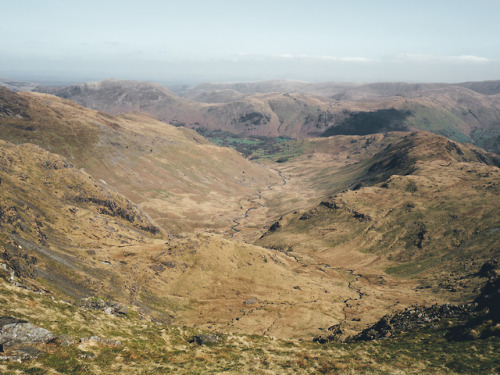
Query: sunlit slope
[181, 179]
[53, 217]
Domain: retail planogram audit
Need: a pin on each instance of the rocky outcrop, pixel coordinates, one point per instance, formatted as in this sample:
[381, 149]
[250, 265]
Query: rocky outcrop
[475, 320]
[130, 212]
[415, 318]
[487, 322]
[108, 307]
[334, 335]
[21, 340]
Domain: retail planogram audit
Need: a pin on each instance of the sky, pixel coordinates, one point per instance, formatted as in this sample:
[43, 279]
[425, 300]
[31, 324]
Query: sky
[191, 41]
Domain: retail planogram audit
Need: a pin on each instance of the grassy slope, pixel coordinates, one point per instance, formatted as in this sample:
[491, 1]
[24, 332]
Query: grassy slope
[169, 171]
[159, 348]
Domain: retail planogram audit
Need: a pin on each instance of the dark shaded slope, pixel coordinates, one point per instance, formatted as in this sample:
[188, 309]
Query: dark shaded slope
[363, 123]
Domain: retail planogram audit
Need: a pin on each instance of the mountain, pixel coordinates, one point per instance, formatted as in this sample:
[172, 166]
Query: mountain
[16, 85]
[468, 112]
[169, 171]
[338, 90]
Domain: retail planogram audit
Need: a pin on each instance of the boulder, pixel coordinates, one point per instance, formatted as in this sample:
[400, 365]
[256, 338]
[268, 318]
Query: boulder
[17, 331]
[63, 340]
[205, 339]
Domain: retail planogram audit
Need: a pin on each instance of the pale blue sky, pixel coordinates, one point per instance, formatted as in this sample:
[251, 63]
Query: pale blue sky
[195, 40]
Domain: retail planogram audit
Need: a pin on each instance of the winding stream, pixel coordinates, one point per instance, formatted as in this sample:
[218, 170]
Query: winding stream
[254, 201]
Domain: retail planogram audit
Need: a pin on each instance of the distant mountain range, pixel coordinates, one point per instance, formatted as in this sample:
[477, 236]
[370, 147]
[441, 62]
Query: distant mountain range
[465, 112]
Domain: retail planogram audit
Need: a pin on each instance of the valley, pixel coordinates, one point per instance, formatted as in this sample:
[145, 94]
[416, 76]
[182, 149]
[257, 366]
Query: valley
[363, 211]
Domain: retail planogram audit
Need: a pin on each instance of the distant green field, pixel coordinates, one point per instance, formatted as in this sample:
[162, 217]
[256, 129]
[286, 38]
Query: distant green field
[278, 148]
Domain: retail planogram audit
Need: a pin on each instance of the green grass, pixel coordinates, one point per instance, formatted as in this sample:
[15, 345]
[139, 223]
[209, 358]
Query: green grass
[411, 268]
[254, 147]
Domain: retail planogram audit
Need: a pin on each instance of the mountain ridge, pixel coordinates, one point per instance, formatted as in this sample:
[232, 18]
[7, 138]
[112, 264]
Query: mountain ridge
[453, 110]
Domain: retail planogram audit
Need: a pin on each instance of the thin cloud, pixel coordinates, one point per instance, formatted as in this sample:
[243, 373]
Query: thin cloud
[310, 58]
[412, 57]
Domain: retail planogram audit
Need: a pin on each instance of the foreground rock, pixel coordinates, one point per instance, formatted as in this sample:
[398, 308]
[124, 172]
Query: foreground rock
[475, 320]
[417, 318]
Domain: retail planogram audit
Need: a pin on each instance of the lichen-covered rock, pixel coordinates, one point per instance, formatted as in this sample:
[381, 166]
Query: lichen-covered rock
[17, 331]
[107, 306]
[205, 339]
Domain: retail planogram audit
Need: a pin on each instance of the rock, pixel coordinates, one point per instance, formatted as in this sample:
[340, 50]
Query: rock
[334, 336]
[106, 306]
[331, 205]
[27, 352]
[412, 319]
[274, 227]
[63, 340]
[24, 353]
[16, 331]
[122, 310]
[205, 339]
[87, 355]
[108, 310]
[250, 301]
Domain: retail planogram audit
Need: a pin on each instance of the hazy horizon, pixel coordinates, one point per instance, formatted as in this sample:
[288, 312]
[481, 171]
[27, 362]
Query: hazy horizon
[221, 40]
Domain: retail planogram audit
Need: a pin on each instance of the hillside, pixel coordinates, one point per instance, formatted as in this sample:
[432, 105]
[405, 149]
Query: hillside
[169, 171]
[423, 208]
[468, 112]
